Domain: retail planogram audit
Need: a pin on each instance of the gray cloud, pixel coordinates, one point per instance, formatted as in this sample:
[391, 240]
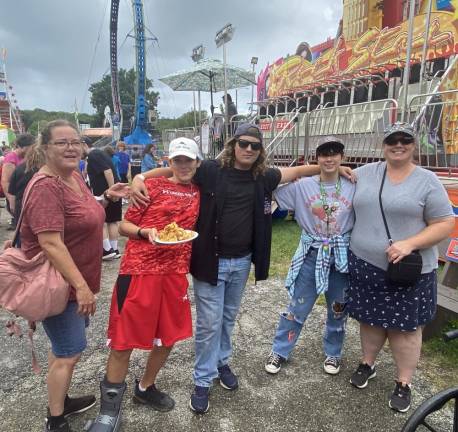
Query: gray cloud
[51, 44]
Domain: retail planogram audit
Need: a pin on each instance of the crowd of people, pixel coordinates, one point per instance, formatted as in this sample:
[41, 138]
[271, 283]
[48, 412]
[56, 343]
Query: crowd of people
[344, 253]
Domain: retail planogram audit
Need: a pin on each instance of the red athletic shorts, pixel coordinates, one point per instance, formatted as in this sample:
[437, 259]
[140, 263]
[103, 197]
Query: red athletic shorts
[148, 310]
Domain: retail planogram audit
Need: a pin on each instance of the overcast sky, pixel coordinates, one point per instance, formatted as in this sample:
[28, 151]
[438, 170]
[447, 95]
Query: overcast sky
[56, 47]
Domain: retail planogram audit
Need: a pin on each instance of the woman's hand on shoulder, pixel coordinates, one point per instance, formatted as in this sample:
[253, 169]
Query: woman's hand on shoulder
[348, 173]
[398, 250]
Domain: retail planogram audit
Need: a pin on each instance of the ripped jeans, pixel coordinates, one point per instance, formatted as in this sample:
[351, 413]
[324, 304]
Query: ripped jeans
[301, 305]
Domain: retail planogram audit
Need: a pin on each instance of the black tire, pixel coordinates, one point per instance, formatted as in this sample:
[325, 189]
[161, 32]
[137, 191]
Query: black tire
[430, 406]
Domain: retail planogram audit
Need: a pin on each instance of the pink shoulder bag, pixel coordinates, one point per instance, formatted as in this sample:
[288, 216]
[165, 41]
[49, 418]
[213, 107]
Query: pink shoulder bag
[31, 288]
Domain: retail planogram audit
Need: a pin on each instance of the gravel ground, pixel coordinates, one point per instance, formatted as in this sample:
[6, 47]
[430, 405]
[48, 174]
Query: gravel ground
[300, 398]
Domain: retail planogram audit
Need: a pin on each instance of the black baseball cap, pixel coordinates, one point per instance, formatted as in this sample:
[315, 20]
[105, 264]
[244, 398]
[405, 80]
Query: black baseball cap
[330, 145]
[248, 129]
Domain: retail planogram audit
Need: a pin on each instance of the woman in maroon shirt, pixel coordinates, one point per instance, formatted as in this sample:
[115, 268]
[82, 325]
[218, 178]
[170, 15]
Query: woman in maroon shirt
[62, 218]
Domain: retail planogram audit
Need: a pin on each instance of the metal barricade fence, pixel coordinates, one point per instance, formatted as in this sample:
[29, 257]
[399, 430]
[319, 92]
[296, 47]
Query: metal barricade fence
[170, 134]
[435, 118]
[359, 126]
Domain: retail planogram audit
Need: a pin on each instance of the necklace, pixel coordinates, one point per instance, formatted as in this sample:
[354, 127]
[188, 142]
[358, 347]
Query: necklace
[329, 208]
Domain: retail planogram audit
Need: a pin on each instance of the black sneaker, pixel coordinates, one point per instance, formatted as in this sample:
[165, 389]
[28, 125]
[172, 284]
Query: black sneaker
[108, 255]
[273, 363]
[332, 365]
[60, 426]
[117, 254]
[77, 405]
[362, 375]
[199, 400]
[154, 398]
[227, 378]
[400, 398]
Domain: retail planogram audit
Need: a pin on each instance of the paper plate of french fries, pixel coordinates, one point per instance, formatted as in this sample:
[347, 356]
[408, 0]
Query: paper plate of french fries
[173, 234]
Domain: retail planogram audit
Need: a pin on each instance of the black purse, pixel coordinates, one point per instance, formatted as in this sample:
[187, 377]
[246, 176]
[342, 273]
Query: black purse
[407, 271]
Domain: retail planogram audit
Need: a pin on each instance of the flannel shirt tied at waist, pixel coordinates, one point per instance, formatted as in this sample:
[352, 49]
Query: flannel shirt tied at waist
[339, 244]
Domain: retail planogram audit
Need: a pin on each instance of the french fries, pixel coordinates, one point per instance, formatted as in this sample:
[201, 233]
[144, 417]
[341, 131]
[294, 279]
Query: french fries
[173, 233]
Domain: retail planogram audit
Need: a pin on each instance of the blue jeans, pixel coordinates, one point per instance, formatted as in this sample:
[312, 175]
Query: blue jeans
[301, 305]
[217, 307]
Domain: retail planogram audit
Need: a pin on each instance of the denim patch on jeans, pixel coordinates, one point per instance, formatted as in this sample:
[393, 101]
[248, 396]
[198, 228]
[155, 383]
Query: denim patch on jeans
[301, 304]
[67, 331]
[217, 307]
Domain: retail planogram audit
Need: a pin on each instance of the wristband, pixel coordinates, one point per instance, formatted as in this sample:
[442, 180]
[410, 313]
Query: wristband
[141, 177]
[140, 235]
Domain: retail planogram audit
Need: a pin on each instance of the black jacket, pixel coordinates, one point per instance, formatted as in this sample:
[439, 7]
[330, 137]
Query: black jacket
[212, 180]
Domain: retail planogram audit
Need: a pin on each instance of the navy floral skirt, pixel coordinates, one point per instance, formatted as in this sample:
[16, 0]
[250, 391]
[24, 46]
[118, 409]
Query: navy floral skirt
[373, 301]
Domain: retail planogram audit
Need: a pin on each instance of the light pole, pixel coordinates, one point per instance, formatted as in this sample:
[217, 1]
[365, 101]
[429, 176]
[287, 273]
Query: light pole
[254, 62]
[198, 53]
[222, 38]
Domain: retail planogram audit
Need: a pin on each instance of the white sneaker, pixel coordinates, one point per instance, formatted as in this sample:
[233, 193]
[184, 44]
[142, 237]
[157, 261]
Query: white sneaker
[332, 365]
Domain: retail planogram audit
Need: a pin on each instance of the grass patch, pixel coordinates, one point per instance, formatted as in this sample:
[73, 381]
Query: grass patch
[285, 238]
[445, 353]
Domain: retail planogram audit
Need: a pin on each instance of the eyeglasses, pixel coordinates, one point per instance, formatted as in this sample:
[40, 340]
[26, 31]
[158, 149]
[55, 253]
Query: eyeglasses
[393, 140]
[255, 146]
[66, 143]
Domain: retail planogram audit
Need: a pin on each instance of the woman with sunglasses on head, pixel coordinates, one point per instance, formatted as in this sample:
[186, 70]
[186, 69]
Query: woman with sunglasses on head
[418, 216]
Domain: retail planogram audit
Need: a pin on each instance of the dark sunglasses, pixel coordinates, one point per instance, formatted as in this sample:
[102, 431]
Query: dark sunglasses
[393, 140]
[255, 146]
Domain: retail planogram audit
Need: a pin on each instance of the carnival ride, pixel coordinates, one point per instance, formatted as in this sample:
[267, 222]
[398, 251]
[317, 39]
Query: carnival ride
[139, 133]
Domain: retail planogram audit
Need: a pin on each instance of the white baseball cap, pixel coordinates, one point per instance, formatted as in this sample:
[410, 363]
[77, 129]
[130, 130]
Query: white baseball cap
[184, 147]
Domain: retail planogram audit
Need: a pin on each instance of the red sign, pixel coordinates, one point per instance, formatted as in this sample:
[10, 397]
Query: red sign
[452, 250]
[283, 124]
[265, 126]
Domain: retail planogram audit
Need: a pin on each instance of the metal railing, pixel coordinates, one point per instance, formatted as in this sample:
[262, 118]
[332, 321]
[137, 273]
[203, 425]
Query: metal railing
[435, 118]
[170, 134]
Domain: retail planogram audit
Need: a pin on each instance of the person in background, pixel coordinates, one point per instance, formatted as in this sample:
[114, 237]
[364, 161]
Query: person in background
[149, 161]
[150, 309]
[323, 209]
[34, 160]
[419, 216]
[10, 162]
[135, 162]
[124, 161]
[231, 111]
[114, 158]
[63, 219]
[102, 175]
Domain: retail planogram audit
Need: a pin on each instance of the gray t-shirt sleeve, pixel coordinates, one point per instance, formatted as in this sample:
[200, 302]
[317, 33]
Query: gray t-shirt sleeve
[285, 196]
[437, 203]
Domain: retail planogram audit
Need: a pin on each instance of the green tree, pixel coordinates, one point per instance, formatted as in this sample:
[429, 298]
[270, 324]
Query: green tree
[35, 119]
[184, 121]
[101, 94]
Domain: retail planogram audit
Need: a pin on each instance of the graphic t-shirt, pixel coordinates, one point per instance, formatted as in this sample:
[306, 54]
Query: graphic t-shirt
[169, 202]
[305, 198]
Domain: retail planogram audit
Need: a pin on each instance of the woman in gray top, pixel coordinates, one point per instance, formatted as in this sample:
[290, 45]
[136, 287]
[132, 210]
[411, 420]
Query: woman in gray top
[419, 216]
